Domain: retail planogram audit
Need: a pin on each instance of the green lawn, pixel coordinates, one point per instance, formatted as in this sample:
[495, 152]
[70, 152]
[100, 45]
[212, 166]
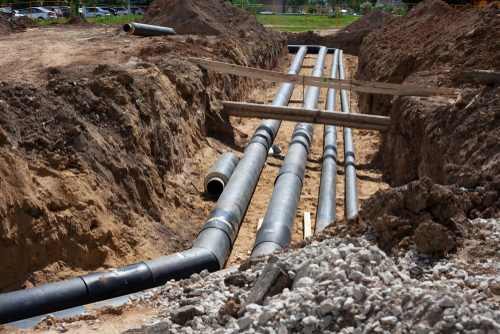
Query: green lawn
[316, 21]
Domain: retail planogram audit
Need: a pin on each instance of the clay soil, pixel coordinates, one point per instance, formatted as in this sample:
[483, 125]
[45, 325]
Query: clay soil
[103, 140]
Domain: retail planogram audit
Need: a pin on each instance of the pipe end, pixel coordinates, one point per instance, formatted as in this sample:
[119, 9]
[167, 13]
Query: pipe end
[215, 186]
[129, 28]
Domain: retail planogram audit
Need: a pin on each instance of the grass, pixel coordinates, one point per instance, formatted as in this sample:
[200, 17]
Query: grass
[112, 20]
[303, 22]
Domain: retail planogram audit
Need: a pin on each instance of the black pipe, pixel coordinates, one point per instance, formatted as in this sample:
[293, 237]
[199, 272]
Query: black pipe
[277, 226]
[228, 213]
[351, 186]
[209, 251]
[146, 30]
[220, 173]
[314, 49]
[325, 214]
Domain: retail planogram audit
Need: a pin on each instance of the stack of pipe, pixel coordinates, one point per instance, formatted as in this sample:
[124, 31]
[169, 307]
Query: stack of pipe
[277, 226]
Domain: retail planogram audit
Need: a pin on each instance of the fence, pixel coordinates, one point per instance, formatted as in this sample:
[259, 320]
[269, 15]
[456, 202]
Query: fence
[65, 10]
[319, 17]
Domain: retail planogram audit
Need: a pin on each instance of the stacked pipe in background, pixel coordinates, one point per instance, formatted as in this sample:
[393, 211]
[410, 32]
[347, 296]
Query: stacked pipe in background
[276, 229]
[325, 214]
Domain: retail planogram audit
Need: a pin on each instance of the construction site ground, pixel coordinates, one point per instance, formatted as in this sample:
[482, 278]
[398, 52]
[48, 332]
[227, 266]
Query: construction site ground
[106, 138]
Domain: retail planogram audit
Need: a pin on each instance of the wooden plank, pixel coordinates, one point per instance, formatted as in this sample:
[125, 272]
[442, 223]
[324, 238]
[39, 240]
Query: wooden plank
[313, 113]
[259, 224]
[307, 224]
[351, 85]
[304, 119]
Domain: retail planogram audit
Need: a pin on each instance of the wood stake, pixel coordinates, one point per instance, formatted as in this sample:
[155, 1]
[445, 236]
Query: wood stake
[307, 224]
[260, 224]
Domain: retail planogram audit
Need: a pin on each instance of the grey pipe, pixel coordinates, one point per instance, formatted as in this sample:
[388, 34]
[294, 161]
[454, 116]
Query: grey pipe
[146, 30]
[229, 210]
[277, 226]
[310, 48]
[325, 214]
[351, 184]
[209, 252]
[221, 172]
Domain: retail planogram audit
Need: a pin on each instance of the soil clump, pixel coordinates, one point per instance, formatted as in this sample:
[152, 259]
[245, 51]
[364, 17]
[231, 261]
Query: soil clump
[349, 38]
[76, 20]
[28, 22]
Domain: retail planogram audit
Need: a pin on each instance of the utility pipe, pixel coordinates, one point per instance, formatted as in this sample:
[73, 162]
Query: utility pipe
[310, 49]
[209, 251]
[277, 226]
[351, 186]
[140, 29]
[221, 172]
[325, 214]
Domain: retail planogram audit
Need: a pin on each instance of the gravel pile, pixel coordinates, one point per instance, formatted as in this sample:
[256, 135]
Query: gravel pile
[339, 285]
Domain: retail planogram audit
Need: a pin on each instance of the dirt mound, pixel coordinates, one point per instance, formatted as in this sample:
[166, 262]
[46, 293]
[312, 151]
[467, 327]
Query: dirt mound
[27, 21]
[433, 39]
[348, 39]
[9, 26]
[371, 20]
[432, 216]
[77, 20]
[202, 17]
[431, 45]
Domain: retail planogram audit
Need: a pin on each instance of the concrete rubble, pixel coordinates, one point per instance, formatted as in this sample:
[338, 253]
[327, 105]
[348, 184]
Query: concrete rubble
[339, 285]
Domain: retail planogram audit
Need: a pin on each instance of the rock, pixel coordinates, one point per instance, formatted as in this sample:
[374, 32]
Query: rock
[3, 135]
[389, 320]
[236, 279]
[432, 237]
[446, 302]
[244, 322]
[183, 314]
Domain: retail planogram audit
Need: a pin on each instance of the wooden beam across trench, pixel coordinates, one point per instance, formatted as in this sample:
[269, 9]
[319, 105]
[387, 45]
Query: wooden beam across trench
[356, 121]
[350, 85]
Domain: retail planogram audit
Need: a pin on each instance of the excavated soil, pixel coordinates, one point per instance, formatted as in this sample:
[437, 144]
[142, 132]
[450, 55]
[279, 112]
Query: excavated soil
[348, 39]
[100, 145]
[10, 26]
[76, 20]
[451, 141]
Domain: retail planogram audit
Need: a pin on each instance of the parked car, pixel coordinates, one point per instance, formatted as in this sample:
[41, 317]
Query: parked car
[55, 10]
[7, 12]
[65, 10]
[98, 12]
[119, 11]
[38, 13]
[111, 10]
[138, 10]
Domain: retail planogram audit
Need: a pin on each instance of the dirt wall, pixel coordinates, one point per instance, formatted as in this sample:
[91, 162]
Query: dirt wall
[92, 157]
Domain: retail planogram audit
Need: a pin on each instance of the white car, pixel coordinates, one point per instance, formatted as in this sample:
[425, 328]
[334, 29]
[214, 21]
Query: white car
[89, 12]
[38, 13]
[138, 11]
[119, 11]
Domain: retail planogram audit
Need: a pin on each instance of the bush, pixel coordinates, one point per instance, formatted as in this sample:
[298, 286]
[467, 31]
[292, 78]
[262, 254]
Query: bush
[311, 9]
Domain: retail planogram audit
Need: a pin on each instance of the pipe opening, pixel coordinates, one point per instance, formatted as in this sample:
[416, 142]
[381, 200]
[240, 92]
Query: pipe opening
[215, 187]
[127, 27]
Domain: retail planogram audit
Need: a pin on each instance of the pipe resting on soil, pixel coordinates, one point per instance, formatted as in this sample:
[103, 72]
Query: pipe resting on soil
[210, 250]
[328, 188]
[146, 30]
[221, 172]
[276, 229]
[351, 185]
